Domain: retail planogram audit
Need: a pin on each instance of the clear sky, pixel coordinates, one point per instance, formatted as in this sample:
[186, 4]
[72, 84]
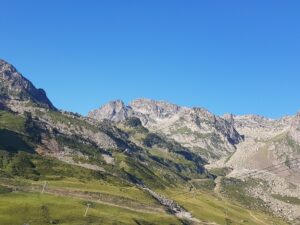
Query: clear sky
[228, 56]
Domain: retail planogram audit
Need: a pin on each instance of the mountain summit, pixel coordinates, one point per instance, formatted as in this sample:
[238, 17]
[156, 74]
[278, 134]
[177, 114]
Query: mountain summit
[114, 110]
[15, 87]
[204, 133]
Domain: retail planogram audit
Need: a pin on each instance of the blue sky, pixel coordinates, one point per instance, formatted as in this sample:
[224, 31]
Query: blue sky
[228, 56]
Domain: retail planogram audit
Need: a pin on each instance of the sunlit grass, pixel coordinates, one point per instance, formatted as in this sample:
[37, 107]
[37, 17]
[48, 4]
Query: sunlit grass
[37, 209]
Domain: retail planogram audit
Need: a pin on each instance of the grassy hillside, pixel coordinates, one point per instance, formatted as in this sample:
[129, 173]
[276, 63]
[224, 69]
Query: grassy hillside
[208, 207]
[69, 188]
[37, 209]
[40, 189]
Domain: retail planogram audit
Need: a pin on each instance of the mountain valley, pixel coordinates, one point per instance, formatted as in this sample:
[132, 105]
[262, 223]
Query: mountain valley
[148, 162]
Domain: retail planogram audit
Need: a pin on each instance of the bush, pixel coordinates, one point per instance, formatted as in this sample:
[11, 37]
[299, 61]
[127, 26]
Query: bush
[153, 139]
[4, 190]
[31, 128]
[133, 122]
[21, 165]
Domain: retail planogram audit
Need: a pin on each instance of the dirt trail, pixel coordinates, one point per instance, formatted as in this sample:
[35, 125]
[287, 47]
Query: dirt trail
[83, 196]
[63, 192]
[255, 218]
[217, 190]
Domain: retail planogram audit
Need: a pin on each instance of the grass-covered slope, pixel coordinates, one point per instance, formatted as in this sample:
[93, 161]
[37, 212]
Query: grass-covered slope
[139, 157]
[70, 188]
[37, 209]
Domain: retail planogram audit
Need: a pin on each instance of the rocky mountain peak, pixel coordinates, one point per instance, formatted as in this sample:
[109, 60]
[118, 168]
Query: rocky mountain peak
[204, 113]
[14, 86]
[153, 108]
[195, 128]
[114, 110]
[5, 66]
[228, 116]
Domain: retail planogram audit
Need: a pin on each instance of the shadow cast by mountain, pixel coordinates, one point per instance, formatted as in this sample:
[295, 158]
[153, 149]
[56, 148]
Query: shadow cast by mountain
[13, 142]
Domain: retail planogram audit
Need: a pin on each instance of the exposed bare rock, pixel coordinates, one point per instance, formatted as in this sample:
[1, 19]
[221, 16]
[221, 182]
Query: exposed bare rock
[294, 131]
[108, 159]
[115, 111]
[276, 186]
[14, 86]
[271, 153]
[172, 206]
[208, 135]
[155, 110]
[247, 144]
[267, 143]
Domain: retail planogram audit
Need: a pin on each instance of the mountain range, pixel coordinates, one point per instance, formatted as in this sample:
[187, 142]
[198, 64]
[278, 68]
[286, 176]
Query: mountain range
[245, 166]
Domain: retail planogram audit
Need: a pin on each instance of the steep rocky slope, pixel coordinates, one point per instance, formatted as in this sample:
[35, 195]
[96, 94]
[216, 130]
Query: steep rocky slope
[14, 87]
[261, 135]
[241, 142]
[208, 135]
[270, 153]
[250, 146]
[82, 141]
[267, 143]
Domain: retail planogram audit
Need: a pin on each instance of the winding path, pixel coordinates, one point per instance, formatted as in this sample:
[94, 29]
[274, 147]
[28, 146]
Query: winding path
[80, 195]
[255, 218]
[217, 190]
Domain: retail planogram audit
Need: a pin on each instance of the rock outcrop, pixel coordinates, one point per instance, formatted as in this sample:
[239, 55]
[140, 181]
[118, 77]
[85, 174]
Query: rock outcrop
[202, 132]
[115, 111]
[294, 131]
[14, 86]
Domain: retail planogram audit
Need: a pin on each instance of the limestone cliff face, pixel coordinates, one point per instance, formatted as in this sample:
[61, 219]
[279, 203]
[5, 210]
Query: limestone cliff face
[14, 86]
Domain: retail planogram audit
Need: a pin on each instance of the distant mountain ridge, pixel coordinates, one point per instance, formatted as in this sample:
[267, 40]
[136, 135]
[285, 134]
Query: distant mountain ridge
[244, 143]
[195, 128]
[213, 137]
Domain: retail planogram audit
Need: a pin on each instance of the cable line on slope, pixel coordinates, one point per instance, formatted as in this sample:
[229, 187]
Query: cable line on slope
[271, 168]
